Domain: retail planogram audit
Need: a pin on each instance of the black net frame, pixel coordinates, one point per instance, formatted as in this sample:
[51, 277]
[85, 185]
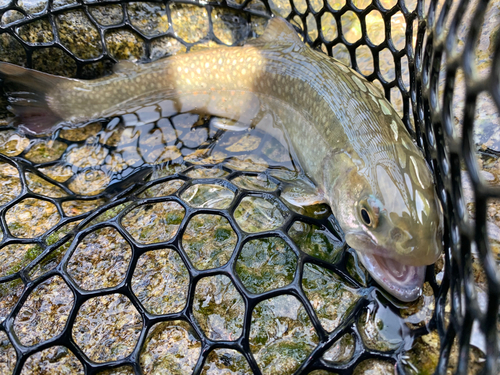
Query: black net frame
[427, 119]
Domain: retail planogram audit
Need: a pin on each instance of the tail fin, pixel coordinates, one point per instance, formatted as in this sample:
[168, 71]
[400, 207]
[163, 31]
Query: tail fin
[27, 92]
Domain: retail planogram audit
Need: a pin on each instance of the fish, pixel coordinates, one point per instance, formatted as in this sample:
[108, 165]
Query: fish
[346, 136]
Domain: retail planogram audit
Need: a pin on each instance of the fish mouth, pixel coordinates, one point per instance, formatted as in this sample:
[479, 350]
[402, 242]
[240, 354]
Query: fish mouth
[401, 280]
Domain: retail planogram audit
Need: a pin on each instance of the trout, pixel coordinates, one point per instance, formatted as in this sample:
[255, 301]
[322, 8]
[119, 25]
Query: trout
[346, 135]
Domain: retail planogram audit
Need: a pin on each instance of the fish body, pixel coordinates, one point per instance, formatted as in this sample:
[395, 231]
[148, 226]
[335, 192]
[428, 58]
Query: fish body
[346, 135]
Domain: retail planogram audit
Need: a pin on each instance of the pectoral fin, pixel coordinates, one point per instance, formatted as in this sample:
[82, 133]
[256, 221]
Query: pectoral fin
[301, 194]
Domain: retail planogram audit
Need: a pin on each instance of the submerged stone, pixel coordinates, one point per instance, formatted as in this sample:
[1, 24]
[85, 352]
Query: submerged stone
[209, 241]
[54, 360]
[342, 350]
[45, 312]
[107, 328]
[381, 328]
[41, 186]
[316, 241]
[154, 222]
[100, 260]
[162, 189]
[31, 218]
[218, 308]
[14, 258]
[8, 356]
[208, 196]
[171, 347]
[255, 214]
[226, 362]
[266, 264]
[328, 294]
[10, 292]
[161, 282]
[10, 183]
[281, 335]
[260, 182]
[207, 173]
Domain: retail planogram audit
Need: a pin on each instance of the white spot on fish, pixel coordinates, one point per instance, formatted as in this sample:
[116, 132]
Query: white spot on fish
[385, 107]
[402, 157]
[422, 205]
[358, 82]
[342, 67]
[409, 185]
[394, 128]
[418, 174]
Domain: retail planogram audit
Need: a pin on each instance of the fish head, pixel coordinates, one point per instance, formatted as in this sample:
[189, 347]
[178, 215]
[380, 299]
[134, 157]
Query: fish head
[393, 219]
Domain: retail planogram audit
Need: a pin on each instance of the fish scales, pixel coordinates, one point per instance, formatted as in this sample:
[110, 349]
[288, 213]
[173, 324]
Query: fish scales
[346, 135]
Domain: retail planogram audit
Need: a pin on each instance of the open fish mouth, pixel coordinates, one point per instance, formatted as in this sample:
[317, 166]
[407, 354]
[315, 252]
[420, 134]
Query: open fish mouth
[401, 280]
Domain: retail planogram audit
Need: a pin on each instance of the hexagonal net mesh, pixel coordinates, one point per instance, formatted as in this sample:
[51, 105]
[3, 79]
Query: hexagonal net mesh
[128, 247]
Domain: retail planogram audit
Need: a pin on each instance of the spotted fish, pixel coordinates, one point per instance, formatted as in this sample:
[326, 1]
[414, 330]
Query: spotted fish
[346, 135]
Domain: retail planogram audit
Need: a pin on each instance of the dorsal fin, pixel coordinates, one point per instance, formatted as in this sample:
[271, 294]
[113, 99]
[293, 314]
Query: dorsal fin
[278, 30]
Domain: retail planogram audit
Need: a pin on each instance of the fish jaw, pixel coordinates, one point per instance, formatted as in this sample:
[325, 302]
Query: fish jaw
[401, 280]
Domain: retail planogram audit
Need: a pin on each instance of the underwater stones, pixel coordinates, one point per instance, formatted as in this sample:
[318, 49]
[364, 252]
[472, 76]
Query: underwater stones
[37, 32]
[107, 15]
[227, 362]
[381, 328]
[206, 173]
[209, 241]
[12, 143]
[10, 292]
[316, 241]
[170, 347]
[255, 214]
[54, 360]
[45, 312]
[78, 207]
[125, 45]
[10, 183]
[11, 50]
[342, 350]
[44, 151]
[281, 335]
[154, 222]
[266, 264]
[218, 308]
[78, 34]
[107, 328]
[161, 282]
[31, 217]
[149, 18]
[41, 186]
[162, 189]
[7, 355]
[100, 260]
[89, 182]
[87, 156]
[165, 46]
[190, 22]
[15, 257]
[329, 296]
[208, 196]
[259, 182]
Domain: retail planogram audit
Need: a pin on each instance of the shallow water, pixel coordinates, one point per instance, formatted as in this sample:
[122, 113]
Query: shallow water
[243, 179]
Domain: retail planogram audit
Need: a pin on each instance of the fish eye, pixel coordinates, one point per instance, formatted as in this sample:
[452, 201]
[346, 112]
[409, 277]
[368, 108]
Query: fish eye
[367, 215]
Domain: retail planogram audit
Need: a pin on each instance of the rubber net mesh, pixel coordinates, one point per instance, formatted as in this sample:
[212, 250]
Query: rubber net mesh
[115, 274]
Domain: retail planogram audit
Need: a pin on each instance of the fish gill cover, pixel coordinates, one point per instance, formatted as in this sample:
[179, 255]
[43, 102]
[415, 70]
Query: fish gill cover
[154, 243]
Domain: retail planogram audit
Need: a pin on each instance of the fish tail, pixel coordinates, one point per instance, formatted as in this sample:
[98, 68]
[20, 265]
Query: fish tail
[28, 94]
